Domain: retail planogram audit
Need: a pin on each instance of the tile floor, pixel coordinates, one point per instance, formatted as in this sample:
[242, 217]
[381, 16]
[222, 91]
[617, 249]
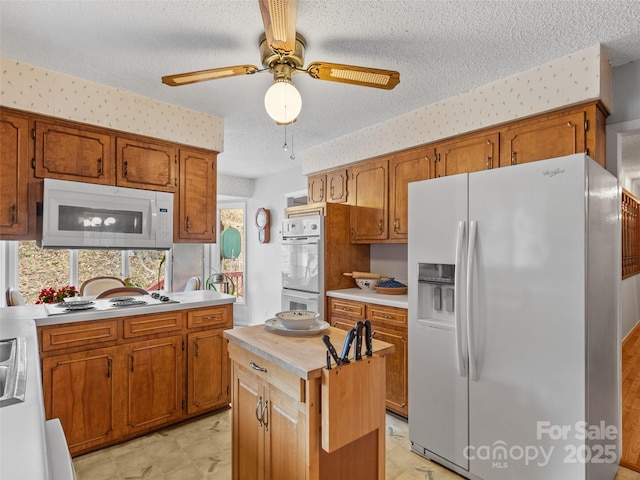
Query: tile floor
[202, 450]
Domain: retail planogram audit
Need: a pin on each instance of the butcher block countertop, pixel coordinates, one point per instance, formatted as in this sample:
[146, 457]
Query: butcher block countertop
[305, 356]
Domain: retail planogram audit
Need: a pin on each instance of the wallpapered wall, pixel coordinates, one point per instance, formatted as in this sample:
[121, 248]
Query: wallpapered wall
[576, 78]
[35, 89]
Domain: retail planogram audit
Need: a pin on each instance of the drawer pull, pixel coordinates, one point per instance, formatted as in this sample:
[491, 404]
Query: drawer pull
[257, 367]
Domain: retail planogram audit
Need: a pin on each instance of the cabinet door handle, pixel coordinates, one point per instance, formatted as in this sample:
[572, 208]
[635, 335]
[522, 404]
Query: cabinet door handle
[131, 356]
[197, 348]
[100, 166]
[186, 224]
[513, 158]
[125, 169]
[14, 214]
[381, 224]
[109, 368]
[265, 412]
[257, 367]
[396, 222]
[488, 162]
[258, 405]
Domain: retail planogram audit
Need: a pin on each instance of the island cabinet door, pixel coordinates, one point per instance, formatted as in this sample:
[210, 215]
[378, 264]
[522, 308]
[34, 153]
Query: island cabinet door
[81, 389]
[284, 428]
[207, 371]
[247, 429]
[269, 428]
[154, 389]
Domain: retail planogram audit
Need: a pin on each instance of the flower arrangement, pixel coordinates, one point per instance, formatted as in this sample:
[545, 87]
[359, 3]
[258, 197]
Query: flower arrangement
[51, 295]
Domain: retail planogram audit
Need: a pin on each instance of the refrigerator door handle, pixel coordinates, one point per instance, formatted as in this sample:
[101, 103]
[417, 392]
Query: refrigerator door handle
[460, 347]
[473, 371]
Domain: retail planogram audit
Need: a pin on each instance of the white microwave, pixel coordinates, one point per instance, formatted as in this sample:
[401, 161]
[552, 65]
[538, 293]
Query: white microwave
[85, 215]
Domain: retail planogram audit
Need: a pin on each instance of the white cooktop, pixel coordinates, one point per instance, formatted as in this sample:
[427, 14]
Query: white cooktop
[106, 304]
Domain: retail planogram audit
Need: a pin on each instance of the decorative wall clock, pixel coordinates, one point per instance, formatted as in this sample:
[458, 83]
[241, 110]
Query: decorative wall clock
[263, 222]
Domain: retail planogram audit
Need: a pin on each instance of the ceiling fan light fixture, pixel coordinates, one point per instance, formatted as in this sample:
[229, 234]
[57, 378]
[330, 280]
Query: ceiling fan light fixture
[283, 101]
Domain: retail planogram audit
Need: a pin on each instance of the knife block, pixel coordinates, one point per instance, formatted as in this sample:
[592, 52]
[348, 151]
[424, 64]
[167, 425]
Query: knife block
[353, 401]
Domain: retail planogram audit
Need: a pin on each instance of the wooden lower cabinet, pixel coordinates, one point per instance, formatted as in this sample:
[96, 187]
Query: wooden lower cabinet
[389, 325]
[207, 371]
[268, 426]
[153, 383]
[107, 387]
[82, 390]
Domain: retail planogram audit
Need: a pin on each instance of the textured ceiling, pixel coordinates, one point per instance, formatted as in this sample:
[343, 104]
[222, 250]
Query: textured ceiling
[440, 48]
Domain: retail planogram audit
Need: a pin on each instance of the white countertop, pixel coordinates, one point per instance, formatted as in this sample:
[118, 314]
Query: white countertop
[371, 296]
[23, 449]
[194, 299]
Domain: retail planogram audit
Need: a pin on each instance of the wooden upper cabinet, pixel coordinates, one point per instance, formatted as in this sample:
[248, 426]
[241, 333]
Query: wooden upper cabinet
[73, 153]
[146, 165]
[469, 154]
[196, 211]
[14, 165]
[316, 191]
[542, 138]
[369, 191]
[408, 167]
[337, 181]
[329, 187]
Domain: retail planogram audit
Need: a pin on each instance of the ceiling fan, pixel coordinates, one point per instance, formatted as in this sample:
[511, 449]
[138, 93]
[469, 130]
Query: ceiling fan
[282, 53]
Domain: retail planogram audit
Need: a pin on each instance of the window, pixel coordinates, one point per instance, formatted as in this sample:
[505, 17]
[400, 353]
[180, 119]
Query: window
[227, 272]
[40, 268]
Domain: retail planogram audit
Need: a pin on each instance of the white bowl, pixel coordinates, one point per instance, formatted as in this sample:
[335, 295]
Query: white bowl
[366, 283]
[297, 319]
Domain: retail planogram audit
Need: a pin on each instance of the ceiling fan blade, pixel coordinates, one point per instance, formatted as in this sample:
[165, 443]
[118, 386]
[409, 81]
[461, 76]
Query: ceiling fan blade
[367, 77]
[204, 75]
[279, 18]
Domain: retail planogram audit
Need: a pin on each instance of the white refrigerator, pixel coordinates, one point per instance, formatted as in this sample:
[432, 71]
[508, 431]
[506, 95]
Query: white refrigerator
[513, 336]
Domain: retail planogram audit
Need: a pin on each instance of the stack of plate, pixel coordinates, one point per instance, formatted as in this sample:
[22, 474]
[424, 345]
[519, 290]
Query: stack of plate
[297, 323]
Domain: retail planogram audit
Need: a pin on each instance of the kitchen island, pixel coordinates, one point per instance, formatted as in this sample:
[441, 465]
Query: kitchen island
[292, 418]
[77, 369]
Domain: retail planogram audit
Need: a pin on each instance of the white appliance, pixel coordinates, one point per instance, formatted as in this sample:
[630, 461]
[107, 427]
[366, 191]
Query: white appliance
[84, 215]
[513, 351]
[302, 264]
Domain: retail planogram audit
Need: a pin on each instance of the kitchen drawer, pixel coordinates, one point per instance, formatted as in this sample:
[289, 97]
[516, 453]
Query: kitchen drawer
[389, 316]
[78, 334]
[208, 317]
[265, 370]
[150, 324]
[346, 308]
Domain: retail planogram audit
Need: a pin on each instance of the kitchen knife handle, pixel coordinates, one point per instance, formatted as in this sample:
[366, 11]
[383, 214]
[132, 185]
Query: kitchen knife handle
[332, 350]
[357, 354]
[368, 338]
[347, 345]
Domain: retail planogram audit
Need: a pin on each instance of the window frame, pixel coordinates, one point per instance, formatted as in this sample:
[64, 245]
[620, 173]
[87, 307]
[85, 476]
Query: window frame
[212, 257]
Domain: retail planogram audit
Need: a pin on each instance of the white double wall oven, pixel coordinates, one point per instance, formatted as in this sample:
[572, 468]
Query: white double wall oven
[302, 264]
